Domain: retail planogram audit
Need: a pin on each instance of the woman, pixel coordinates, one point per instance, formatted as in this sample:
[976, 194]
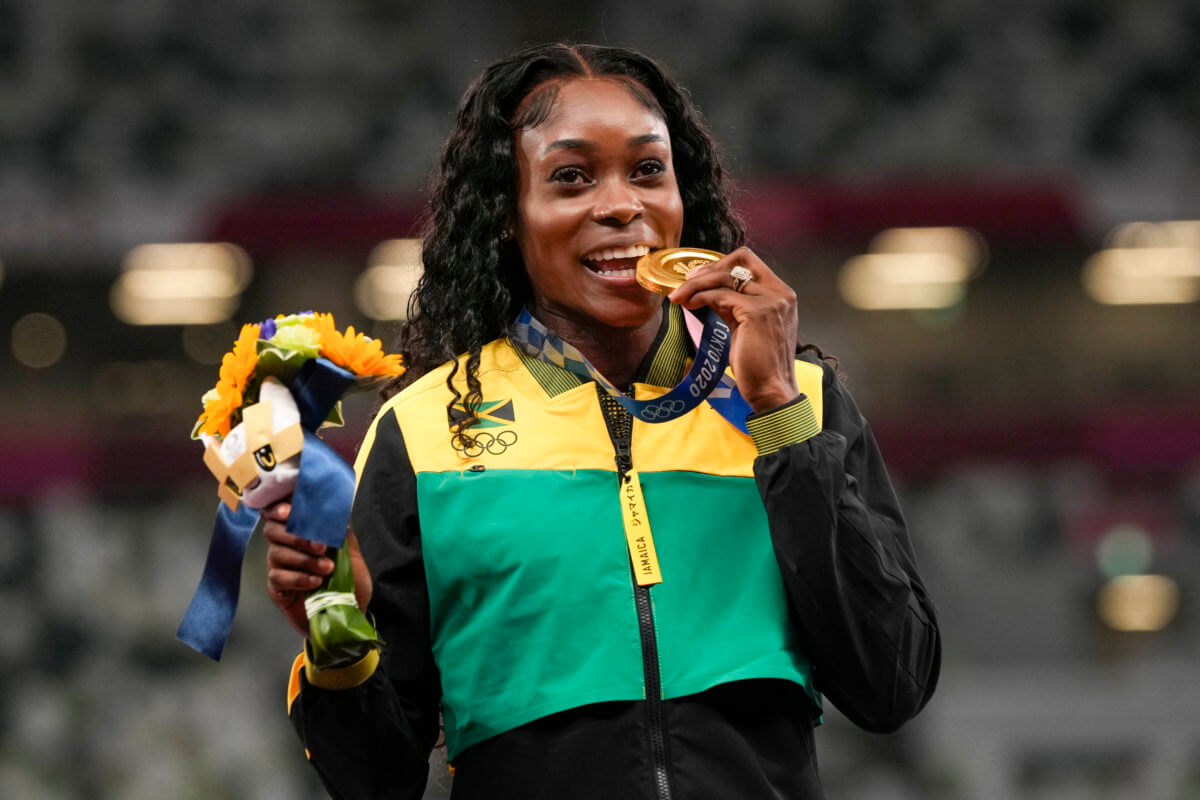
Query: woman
[671, 639]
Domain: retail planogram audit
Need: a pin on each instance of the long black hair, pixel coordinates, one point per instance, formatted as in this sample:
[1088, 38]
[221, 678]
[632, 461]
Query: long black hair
[474, 281]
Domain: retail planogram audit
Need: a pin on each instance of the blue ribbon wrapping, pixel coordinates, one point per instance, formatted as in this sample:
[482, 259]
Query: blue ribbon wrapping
[323, 494]
[209, 618]
[320, 512]
[317, 387]
[706, 379]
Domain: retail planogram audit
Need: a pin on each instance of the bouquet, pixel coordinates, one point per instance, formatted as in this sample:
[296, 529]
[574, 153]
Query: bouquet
[283, 381]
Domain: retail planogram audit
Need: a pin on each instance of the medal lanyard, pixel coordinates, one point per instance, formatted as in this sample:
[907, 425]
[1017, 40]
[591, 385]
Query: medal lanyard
[706, 379]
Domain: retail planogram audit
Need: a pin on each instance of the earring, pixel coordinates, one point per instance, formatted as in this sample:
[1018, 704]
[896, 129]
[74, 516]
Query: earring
[505, 234]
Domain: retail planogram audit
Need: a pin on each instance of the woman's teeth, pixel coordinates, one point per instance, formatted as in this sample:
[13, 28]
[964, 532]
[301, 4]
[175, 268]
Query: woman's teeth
[615, 262]
[633, 251]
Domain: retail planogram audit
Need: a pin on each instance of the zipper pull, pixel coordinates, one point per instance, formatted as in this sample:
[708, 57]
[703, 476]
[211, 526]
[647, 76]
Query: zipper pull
[624, 459]
[637, 531]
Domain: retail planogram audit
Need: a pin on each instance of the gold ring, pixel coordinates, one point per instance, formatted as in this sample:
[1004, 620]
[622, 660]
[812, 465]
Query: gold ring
[741, 276]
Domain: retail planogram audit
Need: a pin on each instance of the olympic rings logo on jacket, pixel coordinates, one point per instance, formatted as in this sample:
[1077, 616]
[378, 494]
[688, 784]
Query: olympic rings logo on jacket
[473, 446]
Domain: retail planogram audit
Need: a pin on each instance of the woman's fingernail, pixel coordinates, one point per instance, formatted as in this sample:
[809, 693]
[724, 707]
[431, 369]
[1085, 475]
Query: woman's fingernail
[325, 565]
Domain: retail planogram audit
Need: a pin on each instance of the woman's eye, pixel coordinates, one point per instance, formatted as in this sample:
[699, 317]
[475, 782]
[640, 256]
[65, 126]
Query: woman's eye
[650, 168]
[569, 175]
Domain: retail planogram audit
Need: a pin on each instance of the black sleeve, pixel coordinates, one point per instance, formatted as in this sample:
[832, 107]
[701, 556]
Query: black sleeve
[374, 740]
[863, 615]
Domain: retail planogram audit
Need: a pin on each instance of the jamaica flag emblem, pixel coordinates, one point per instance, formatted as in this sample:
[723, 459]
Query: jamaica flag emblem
[494, 414]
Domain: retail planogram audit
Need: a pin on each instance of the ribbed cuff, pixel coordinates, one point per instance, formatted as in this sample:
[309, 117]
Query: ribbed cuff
[791, 423]
[341, 677]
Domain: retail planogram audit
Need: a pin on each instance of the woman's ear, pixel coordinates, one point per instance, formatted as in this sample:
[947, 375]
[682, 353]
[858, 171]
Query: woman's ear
[508, 231]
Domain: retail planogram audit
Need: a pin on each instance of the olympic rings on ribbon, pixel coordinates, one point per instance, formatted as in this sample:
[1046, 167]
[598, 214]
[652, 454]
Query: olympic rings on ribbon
[664, 410]
[473, 446]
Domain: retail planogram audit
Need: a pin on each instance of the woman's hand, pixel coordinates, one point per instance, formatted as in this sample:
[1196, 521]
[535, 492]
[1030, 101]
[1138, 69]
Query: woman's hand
[296, 566]
[762, 319]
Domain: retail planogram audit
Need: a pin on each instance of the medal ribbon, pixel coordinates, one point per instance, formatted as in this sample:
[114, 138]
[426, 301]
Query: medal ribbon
[705, 380]
[320, 512]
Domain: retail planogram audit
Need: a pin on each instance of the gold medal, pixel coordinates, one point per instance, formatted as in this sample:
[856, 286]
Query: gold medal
[664, 271]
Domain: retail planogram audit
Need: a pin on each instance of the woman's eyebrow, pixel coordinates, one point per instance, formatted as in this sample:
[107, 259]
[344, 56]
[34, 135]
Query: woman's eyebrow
[645, 138]
[569, 144]
[586, 144]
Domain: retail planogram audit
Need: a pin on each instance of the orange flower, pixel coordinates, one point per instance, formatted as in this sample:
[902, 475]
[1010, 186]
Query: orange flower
[354, 351]
[236, 368]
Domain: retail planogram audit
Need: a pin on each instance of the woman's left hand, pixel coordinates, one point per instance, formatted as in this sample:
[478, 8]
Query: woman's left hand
[762, 319]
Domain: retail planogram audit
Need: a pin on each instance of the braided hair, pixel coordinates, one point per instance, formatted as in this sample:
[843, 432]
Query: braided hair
[474, 282]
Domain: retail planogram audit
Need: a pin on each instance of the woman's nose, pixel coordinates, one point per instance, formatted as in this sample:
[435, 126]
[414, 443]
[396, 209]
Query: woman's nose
[617, 205]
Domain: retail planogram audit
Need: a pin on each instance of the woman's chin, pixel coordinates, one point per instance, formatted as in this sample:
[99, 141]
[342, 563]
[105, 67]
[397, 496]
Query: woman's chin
[640, 308]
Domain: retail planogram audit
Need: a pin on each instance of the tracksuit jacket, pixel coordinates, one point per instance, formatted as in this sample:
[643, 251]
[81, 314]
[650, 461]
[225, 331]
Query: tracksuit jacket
[592, 606]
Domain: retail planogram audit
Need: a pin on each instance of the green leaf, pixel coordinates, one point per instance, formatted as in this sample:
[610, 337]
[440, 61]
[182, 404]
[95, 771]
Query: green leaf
[281, 362]
[340, 636]
[335, 419]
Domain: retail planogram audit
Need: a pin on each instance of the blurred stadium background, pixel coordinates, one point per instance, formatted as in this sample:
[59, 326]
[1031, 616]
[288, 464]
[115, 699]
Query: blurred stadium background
[988, 210]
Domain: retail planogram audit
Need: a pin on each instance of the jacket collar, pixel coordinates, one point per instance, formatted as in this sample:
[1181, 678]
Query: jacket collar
[664, 365]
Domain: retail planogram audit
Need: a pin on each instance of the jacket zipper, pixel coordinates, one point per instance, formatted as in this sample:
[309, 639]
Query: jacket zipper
[655, 722]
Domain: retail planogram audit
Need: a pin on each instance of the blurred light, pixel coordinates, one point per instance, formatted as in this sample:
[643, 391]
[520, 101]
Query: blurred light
[174, 311]
[964, 244]
[913, 268]
[220, 256]
[382, 292]
[38, 340]
[1142, 275]
[1146, 262]
[1125, 549]
[207, 344]
[880, 281]
[180, 284]
[1173, 233]
[1138, 602]
[161, 284]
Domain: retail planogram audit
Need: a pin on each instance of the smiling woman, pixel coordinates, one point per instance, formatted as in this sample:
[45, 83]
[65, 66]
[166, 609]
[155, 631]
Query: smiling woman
[597, 190]
[608, 587]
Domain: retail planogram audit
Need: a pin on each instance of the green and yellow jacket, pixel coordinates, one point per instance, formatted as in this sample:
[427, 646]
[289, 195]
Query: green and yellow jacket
[569, 560]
